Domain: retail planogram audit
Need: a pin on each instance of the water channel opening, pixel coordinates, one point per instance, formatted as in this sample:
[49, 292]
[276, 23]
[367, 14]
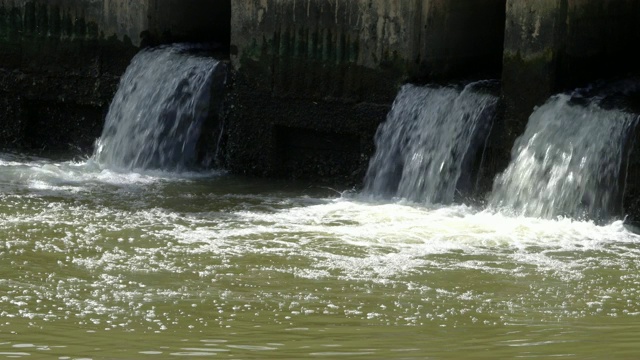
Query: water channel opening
[462, 40]
[429, 145]
[166, 113]
[190, 21]
[572, 159]
[571, 162]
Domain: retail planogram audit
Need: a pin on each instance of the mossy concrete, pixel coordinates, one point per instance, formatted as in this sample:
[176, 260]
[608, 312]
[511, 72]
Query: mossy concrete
[323, 49]
[534, 32]
[52, 73]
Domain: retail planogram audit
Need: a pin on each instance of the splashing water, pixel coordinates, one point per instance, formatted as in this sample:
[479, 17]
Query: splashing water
[427, 146]
[569, 162]
[246, 268]
[157, 116]
[209, 265]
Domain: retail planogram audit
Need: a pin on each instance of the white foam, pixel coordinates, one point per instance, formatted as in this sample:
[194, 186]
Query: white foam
[73, 176]
[133, 245]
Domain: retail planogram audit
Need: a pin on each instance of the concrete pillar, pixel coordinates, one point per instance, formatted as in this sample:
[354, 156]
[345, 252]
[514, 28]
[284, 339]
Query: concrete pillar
[317, 48]
[314, 79]
[534, 35]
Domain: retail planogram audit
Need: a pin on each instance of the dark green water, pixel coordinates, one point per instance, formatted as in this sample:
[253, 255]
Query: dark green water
[100, 265]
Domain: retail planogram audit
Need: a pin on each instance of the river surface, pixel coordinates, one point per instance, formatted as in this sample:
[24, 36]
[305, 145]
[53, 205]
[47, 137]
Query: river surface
[102, 265]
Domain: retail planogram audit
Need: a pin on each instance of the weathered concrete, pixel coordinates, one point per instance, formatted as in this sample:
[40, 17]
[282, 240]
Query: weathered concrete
[556, 45]
[330, 69]
[61, 60]
[325, 49]
[533, 37]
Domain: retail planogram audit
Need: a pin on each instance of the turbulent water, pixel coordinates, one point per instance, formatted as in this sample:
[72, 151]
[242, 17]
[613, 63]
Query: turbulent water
[570, 162]
[157, 116]
[103, 265]
[427, 147]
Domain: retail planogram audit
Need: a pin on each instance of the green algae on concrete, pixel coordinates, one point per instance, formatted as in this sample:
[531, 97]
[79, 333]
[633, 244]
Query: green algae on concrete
[533, 39]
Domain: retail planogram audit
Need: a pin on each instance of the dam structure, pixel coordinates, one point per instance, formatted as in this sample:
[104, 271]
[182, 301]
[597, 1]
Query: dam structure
[295, 179]
[310, 82]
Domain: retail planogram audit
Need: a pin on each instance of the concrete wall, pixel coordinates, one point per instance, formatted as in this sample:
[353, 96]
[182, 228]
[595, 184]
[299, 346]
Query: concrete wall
[61, 61]
[55, 77]
[124, 19]
[340, 49]
[279, 42]
[321, 69]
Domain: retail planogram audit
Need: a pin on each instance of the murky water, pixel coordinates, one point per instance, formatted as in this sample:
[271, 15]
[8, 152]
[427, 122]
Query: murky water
[102, 265]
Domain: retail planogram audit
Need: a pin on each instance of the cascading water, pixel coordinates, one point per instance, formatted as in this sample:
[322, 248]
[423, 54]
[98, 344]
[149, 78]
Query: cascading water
[157, 116]
[569, 162]
[426, 148]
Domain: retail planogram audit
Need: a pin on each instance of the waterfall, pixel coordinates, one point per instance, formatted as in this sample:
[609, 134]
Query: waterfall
[569, 162]
[430, 141]
[164, 103]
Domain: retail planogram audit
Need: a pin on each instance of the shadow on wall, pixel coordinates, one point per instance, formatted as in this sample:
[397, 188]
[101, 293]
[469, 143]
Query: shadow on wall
[189, 21]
